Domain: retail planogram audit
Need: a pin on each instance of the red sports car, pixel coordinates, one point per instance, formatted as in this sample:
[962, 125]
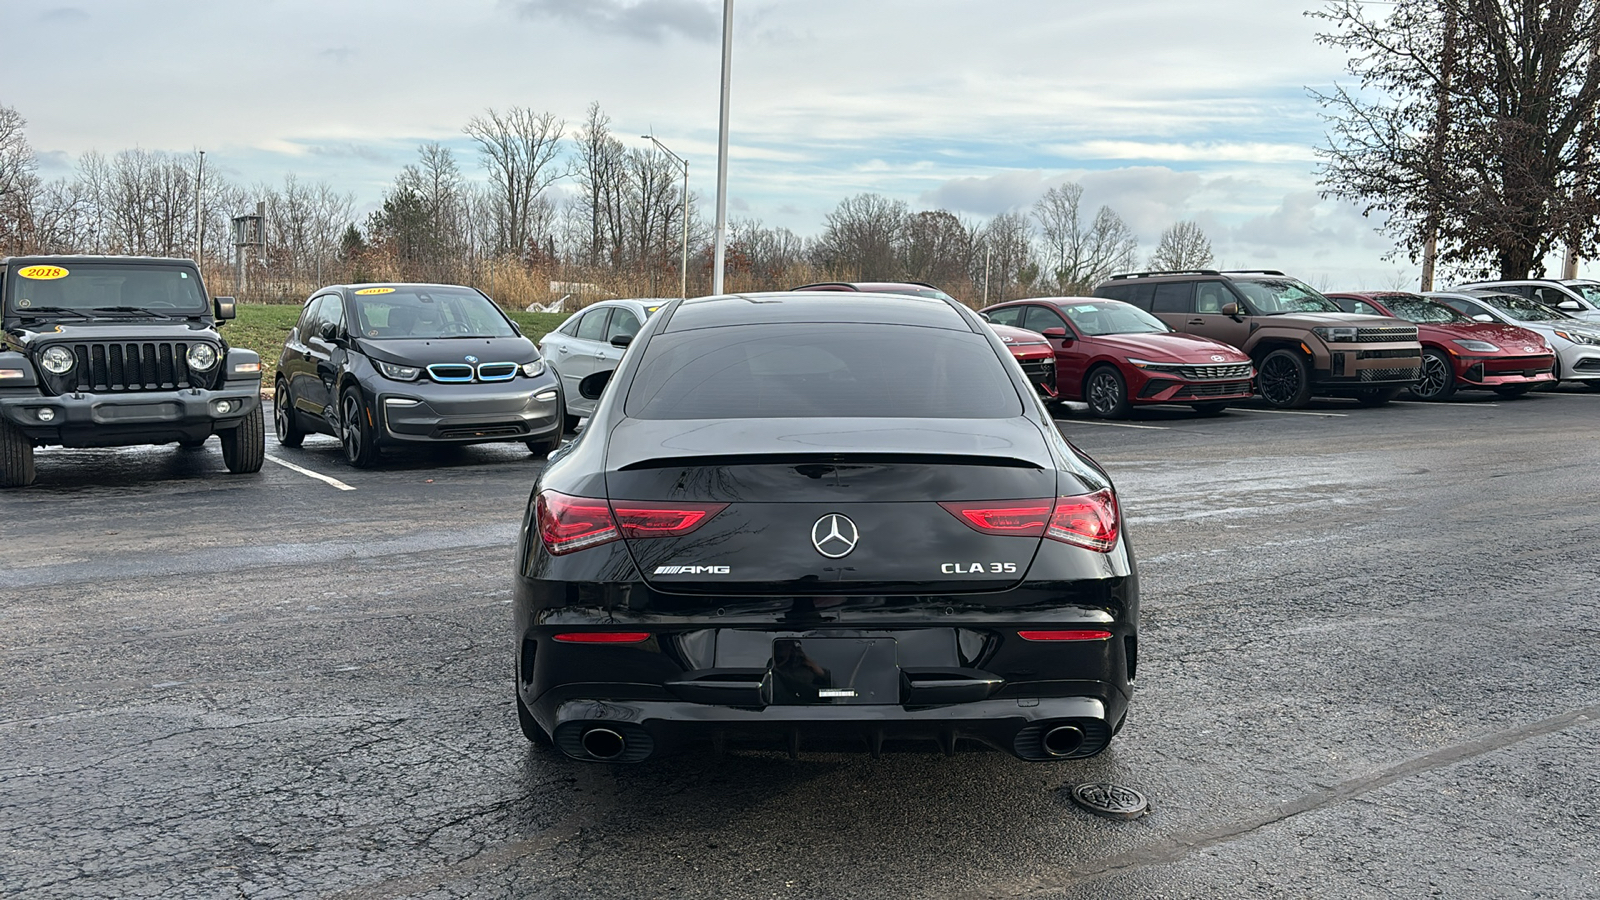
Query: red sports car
[1113, 356]
[1459, 353]
[1031, 350]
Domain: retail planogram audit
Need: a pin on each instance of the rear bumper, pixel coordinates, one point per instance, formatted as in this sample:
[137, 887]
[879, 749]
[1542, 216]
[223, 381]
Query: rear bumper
[119, 420]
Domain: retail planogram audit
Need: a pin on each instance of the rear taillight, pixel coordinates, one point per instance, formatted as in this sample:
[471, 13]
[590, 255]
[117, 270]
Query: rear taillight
[568, 524]
[638, 519]
[603, 637]
[1021, 518]
[1086, 520]
[1076, 635]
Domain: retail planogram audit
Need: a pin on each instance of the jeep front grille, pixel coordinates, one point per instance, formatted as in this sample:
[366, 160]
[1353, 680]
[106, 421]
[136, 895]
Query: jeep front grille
[107, 367]
[1386, 333]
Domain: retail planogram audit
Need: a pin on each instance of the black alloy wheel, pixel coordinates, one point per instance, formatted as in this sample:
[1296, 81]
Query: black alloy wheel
[1437, 379]
[1284, 380]
[1106, 393]
[244, 447]
[16, 457]
[1377, 396]
[289, 432]
[1210, 408]
[356, 431]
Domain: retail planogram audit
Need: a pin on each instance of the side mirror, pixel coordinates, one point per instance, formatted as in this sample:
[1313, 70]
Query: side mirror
[1570, 306]
[224, 308]
[516, 328]
[592, 387]
[1056, 334]
[328, 331]
[985, 316]
[621, 340]
[1231, 310]
[1483, 317]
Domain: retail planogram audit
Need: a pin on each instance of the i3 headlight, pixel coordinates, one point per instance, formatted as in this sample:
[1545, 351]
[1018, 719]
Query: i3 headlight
[201, 357]
[57, 360]
[533, 369]
[1335, 333]
[1477, 346]
[399, 372]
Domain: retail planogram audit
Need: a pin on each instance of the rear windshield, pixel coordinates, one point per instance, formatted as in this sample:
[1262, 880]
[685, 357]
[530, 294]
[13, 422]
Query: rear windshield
[813, 371]
[1276, 296]
[86, 287]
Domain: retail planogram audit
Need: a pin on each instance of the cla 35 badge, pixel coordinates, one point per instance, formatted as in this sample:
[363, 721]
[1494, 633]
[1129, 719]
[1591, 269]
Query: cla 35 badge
[834, 535]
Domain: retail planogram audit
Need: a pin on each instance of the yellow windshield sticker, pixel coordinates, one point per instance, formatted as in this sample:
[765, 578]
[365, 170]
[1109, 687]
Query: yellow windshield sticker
[42, 273]
[376, 291]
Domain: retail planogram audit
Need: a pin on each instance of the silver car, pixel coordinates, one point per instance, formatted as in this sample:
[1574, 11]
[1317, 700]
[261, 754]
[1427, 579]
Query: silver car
[592, 340]
[1578, 297]
[1576, 342]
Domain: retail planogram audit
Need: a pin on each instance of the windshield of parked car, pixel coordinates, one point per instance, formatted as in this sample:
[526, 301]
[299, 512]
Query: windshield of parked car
[1112, 317]
[111, 288]
[1590, 291]
[410, 312]
[817, 371]
[1416, 309]
[1521, 308]
[1276, 296]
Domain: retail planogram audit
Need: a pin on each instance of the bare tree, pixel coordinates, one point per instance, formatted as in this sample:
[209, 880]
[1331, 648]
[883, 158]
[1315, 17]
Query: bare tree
[1006, 268]
[935, 248]
[17, 179]
[1474, 118]
[1182, 246]
[600, 170]
[518, 150]
[1080, 255]
[859, 239]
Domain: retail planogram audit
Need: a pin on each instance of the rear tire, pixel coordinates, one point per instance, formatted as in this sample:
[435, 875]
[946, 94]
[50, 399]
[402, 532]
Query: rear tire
[1106, 393]
[244, 446]
[1284, 380]
[16, 457]
[1437, 377]
[355, 430]
[1214, 408]
[289, 433]
[1377, 396]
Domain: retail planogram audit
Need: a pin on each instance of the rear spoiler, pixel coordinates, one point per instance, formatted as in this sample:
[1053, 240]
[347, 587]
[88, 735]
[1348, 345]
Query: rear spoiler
[825, 460]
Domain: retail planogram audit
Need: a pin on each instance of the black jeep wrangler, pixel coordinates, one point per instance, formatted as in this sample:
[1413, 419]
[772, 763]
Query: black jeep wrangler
[111, 351]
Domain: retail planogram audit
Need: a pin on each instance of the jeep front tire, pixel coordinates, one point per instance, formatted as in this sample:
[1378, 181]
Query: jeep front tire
[244, 446]
[16, 457]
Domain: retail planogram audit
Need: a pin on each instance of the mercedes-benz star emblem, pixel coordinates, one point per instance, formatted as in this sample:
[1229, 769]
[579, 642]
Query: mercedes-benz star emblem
[472, 359]
[834, 536]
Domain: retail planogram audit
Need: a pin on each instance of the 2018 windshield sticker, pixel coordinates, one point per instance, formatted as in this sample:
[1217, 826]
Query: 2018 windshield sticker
[365, 291]
[42, 273]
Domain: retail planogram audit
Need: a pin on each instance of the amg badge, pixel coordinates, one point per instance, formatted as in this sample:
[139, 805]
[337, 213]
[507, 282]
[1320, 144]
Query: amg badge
[693, 570]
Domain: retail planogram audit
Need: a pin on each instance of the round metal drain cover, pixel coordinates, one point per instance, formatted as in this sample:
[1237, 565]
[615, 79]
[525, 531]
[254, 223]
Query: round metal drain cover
[1111, 800]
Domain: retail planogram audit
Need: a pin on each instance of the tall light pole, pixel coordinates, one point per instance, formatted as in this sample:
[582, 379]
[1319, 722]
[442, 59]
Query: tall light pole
[722, 150]
[684, 272]
[199, 223]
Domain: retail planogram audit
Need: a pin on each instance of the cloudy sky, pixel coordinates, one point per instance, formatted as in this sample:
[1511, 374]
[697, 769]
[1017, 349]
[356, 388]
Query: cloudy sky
[1163, 109]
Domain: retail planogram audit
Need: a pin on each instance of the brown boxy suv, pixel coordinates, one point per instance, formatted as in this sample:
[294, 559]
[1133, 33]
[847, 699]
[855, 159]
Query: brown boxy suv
[1301, 342]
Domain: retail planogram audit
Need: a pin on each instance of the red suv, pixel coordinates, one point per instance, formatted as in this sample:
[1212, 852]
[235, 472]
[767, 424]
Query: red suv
[1032, 351]
[1458, 353]
[1113, 355]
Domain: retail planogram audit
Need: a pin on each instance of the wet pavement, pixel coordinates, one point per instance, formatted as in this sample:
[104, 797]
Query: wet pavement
[1367, 670]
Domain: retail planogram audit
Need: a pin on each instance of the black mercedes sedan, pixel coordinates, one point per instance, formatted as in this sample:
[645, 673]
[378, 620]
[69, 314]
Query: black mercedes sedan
[391, 364]
[822, 520]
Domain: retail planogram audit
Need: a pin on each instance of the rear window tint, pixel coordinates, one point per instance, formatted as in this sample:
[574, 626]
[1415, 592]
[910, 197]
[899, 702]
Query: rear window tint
[812, 371]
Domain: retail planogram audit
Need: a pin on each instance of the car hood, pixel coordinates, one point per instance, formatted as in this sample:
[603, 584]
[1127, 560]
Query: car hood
[427, 352]
[39, 334]
[1315, 320]
[1190, 349]
[1511, 339]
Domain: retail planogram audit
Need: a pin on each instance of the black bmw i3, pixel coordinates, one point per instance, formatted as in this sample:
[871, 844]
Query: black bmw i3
[818, 520]
[389, 364]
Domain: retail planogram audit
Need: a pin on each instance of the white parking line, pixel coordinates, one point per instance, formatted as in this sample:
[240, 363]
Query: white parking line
[1113, 424]
[1288, 412]
[310, 474]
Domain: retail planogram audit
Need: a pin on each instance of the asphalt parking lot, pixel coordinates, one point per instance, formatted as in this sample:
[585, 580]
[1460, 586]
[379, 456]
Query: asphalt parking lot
[1367, 670]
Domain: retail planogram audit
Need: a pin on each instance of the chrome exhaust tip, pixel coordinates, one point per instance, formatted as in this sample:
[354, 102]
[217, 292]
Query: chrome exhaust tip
[1063, 740]
[603, 743]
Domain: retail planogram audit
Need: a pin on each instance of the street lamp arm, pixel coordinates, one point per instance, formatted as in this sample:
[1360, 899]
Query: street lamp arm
[680, 160]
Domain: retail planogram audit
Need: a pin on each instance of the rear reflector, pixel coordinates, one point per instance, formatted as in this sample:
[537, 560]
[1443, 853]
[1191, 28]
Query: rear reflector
[1092, 635]
[569, 524]
[639, 519]
[603, 637]
[1086, 520]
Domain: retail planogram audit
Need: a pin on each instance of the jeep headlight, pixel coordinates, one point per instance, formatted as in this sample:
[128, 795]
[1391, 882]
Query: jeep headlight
[201, 357]
[533, 369]
[1334, 334]
[1477, 346]
[57, 360]
[399, 372]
